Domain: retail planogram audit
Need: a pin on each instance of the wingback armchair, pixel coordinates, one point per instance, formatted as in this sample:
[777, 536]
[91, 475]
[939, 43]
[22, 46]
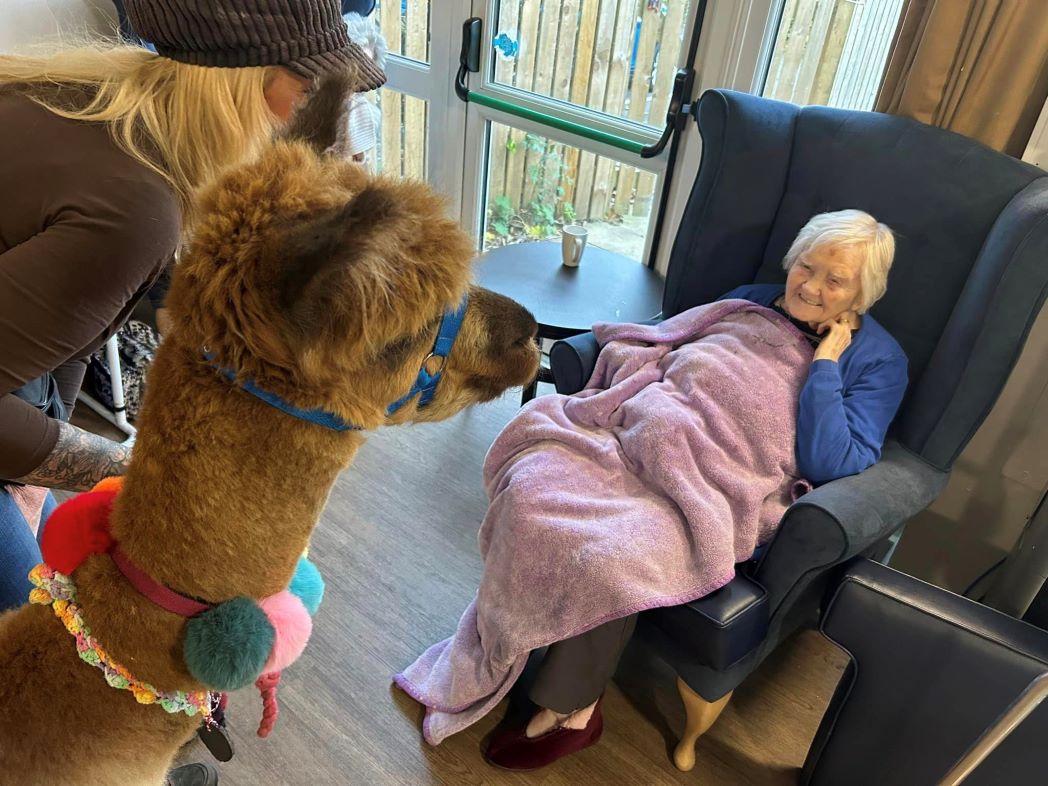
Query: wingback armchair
[970, 276]
[929, 672]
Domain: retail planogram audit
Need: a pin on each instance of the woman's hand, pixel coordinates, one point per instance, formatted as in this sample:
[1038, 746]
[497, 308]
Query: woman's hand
[837, 338]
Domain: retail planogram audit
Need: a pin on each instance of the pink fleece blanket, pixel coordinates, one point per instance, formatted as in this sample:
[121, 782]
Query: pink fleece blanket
[643, 490]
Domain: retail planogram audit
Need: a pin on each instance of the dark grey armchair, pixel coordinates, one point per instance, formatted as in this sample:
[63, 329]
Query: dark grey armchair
[929, 673]
[970, 276]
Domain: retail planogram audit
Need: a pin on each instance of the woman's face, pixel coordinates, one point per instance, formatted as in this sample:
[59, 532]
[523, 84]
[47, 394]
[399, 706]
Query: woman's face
[284, 91]
[824, 283]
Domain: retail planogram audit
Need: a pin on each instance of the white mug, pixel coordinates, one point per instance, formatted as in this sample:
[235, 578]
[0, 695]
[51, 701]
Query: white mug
[572, 244]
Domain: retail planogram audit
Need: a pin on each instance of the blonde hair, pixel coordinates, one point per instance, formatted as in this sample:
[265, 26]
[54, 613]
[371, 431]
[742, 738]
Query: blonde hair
[851, 228]
[185, 122]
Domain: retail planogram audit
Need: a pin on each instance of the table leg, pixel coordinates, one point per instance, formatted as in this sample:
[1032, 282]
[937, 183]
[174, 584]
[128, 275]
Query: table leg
[529, 391]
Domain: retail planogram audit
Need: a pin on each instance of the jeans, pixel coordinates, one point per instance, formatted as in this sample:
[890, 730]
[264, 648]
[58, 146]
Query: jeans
[19, 551]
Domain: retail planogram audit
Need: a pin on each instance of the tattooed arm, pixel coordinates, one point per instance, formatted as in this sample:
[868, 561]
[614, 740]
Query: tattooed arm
[79, 460]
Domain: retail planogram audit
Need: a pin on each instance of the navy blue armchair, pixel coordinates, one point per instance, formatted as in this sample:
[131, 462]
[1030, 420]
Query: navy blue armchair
[970, 276]
[929, 672]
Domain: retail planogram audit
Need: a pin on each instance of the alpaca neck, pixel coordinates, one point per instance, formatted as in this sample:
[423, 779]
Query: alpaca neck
[223, 490]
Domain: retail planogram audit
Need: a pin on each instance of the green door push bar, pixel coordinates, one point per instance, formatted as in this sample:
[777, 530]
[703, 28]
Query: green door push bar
[469, 62]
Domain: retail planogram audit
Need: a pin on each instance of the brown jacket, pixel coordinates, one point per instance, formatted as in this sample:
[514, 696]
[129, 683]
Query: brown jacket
[84, 231]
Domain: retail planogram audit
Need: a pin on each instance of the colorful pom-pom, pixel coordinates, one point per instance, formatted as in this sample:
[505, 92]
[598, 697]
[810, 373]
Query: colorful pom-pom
[292, 625]
[308, 585]
[77, 528]
[114, 484]
[226, 646]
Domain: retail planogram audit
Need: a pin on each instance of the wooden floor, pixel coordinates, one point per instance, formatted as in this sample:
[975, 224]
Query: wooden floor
[397, 547]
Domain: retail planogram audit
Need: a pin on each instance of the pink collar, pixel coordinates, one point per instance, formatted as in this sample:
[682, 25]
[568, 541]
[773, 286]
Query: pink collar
[165, 597]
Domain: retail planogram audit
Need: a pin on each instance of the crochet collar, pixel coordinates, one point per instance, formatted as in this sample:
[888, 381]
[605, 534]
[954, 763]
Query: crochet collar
[58, 591]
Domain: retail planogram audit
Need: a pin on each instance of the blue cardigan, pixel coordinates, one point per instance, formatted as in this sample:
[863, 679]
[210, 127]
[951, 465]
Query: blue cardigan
[845, 407]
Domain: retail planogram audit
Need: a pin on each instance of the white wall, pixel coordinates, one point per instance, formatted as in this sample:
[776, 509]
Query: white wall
[1037, 149]
[26, 22]
[1002, 475]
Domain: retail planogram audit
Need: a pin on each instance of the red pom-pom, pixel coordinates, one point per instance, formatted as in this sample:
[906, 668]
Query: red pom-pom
[77, 528]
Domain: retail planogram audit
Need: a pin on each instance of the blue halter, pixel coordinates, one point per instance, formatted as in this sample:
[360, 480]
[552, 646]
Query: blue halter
[425, 383]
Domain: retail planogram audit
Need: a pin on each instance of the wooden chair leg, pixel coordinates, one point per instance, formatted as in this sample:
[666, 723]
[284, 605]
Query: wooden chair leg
[701, 715]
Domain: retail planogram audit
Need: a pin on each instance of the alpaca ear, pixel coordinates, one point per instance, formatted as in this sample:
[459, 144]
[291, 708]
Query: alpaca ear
[317, 256]
[318, 121]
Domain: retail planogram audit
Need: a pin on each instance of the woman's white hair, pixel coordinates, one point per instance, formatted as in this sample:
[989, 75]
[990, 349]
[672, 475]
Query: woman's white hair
[851, 228]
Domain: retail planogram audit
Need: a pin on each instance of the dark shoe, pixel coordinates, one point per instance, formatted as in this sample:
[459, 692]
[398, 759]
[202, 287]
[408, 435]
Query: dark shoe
[196, 774]
[512, 749]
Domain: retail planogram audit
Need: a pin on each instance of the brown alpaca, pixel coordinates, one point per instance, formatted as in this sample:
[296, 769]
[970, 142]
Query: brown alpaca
[324, 286]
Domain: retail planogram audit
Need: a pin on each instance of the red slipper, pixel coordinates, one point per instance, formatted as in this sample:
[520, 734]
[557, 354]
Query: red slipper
[512, 749]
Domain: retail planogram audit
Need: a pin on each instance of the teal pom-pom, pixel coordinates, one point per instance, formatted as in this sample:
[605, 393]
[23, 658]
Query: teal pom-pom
[227, 646]
[307, 585]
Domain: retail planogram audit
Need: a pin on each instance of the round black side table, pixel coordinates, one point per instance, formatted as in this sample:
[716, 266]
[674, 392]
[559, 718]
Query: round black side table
[566, 301]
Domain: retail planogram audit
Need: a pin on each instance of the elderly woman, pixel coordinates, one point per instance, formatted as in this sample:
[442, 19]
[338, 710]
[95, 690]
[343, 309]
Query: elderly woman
[647, 488]
[837, 268]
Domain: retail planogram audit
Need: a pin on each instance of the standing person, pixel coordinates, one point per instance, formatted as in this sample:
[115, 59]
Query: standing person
[103, 148]
[363, 118]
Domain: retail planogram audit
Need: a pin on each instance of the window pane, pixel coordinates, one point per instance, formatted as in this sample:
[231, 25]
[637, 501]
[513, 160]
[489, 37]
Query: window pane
[536, 185]
[614, 56]
[832, 52]
[405, 25]
[405, 132]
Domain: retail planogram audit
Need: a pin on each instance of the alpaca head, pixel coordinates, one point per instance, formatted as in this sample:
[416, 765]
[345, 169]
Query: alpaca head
[327, 285]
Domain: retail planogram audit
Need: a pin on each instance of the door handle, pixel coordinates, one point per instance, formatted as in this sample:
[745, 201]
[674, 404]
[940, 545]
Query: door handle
[469, 56]
[677, 113]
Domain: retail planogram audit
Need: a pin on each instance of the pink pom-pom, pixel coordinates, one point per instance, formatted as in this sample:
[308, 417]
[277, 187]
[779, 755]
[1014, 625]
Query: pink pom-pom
[293, 626]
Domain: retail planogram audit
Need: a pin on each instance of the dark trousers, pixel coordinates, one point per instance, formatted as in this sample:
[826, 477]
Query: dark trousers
[575, 671]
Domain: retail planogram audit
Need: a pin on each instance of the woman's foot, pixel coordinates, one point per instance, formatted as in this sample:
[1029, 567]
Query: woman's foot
[545, 720]
[514, 749]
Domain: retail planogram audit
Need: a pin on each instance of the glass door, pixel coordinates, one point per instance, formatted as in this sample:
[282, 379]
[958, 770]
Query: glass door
[564, 117]
[421, 124]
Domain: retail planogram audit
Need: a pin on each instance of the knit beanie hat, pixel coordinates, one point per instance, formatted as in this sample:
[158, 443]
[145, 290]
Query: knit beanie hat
[307, 37]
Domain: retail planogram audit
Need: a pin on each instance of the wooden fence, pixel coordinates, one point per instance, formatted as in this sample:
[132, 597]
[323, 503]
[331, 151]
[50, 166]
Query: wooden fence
[402, 150]
[616, 56]
[832, 52]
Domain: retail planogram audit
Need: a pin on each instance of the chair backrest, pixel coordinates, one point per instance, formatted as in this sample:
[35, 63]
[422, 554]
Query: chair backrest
[971, 225]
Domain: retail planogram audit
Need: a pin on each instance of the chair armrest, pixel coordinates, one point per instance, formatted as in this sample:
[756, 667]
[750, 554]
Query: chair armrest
[867, 589]
[843, 518]
[719, 629]
[572, 361]
[929, 671]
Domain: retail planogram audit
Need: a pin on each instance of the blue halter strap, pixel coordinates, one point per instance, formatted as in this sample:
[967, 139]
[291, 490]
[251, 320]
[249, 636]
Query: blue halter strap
[320, 417]
[425, 383]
